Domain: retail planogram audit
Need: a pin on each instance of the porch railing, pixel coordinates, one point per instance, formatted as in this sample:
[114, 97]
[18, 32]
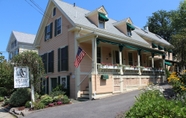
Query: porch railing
[128, 70]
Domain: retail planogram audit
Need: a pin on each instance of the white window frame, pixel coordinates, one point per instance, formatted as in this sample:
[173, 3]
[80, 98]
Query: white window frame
[101, 24]
[58, 27]
[61, 81]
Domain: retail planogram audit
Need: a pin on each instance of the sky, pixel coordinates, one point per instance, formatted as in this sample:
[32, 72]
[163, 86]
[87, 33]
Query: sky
[24, 16]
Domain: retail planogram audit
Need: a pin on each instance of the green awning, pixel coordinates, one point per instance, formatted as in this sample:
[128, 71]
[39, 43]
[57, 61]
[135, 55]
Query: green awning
[154, 45]
[130, 26]
[170, 51]
[160, 47]
[168, 63]
[102, 17]
[104, 76]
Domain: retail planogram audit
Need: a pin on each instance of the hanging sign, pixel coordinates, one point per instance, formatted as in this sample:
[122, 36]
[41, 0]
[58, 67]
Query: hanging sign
[21, 77]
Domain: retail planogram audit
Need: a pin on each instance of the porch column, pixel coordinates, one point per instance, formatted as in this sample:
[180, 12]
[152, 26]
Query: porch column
[152, 54]
[152, 60]
[77, 70]
[120, 58]
[94, 56]
[139, 55]
[163, 62]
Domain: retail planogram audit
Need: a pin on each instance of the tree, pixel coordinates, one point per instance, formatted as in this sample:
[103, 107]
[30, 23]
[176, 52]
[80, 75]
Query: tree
[34, 62]
[6, 77]
[160, 23]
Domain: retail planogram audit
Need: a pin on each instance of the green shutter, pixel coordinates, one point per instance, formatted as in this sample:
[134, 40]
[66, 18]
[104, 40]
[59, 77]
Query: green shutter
[59, 58]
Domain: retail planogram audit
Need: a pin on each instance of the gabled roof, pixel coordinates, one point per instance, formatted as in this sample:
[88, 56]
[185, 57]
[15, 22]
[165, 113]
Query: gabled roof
[153, 37]
[77, 15]
[20, 37]
[24, 37]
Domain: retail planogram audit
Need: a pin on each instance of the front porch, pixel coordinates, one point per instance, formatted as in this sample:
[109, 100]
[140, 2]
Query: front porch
[125, 67]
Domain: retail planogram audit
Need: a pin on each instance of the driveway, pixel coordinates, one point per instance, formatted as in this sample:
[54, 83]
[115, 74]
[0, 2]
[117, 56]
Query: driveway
[103, 108]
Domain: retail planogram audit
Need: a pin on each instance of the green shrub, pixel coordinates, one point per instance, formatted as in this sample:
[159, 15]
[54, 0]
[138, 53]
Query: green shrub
[3, 91]
[46, 99]
[39, 105]
[19, 97]
[6, 102]
[27, 104]
[65, 99]
[152, 104]
[56, 93]
[1, 99]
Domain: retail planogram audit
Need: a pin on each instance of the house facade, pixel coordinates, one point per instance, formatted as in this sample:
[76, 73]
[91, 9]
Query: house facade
[119, 55]
[20, 42]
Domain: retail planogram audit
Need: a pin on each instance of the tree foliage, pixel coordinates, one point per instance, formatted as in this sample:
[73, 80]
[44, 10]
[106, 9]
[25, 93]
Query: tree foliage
[34, 62]
[6, 77]
[160, 23]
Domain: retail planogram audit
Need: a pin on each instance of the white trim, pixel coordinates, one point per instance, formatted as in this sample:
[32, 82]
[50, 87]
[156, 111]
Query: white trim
[61, 26]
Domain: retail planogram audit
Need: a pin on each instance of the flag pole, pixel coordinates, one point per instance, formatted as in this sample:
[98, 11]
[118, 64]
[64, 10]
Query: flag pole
[89, 56]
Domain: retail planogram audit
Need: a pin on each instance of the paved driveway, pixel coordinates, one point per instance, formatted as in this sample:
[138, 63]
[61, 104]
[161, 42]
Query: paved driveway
[103, 108]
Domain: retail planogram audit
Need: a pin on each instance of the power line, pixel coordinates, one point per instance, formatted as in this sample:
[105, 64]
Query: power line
[42, 13]
[37, 5]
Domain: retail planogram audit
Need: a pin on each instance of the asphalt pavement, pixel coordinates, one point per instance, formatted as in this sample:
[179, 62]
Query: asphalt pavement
[103, 108]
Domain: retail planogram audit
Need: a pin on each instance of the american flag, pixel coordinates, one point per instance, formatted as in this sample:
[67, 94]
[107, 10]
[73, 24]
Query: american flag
[80, 54]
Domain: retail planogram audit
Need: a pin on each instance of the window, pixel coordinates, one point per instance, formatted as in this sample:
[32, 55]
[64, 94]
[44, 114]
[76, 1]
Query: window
[116, 57]
[130, 27]
[102, 24]
[58, 26]
[14, 44]
[98, 55]
[130, 57]
[63, 59]
[48, 60]
[48, 31]
[54, 11]
[102, 19]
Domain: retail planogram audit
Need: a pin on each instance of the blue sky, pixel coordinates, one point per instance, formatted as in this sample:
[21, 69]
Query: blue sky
[23, 16]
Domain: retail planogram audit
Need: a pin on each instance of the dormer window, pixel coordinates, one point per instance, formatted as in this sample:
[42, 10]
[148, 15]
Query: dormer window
[102, 19]
[129, 29]
[54, 11]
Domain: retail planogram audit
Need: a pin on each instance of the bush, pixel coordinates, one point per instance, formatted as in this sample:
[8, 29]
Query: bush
[19, 97]
[46, 99]
[3, 91]
[1, 99]
[27, 104]
[6, 102]
[152, 104]
[56, 93]
[39, 105]
[65, 99]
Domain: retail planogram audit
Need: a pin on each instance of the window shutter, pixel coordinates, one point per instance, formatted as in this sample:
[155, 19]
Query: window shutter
[45, 33]
[52, 61]
[45, 62]
[66, 58]
[55, 27]
[61, 59]
[59, 50]
[58, 80]
[51, 27]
